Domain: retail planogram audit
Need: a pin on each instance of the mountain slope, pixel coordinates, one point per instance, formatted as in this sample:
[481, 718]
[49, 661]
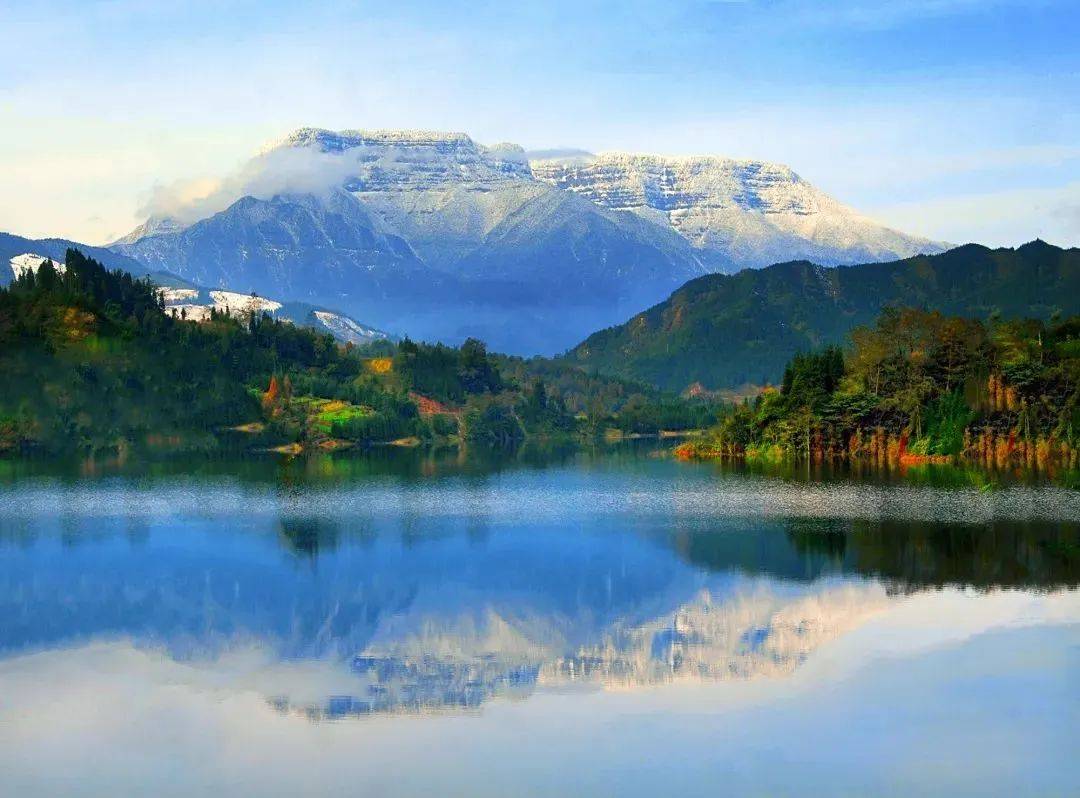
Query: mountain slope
[445, 224]
[155, 225]
[727, 330]
[180, 293]
[323, 249]
[511, 254]
[189, 302]
[477, 212]
[581, 253]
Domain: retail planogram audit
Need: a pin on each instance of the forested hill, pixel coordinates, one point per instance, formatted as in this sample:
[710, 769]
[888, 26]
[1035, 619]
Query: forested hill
[730, 330]
[93, 364]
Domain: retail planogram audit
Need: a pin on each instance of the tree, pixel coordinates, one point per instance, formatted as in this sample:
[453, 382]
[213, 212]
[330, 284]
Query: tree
[475, 370]
[491, 420]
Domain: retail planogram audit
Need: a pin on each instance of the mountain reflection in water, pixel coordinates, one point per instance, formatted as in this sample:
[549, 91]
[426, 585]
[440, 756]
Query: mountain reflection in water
[440, 587]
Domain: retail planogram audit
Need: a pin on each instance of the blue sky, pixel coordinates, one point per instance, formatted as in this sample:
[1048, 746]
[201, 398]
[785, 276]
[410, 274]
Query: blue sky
[957, 119]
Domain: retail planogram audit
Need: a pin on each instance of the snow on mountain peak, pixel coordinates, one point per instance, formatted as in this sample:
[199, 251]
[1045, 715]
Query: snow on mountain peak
[669, 183]
[155, 225]
[747, 212]
[346, 329]
[347, 139]
[414, 159]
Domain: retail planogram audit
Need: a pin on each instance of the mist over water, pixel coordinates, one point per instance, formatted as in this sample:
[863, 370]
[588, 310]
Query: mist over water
[574, 486]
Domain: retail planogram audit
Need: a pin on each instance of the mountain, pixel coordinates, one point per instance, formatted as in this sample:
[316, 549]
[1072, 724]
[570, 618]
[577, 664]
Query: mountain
[327, 249]
[155, 225]
[729, 330]
[736, 213]
[195, 304]
[578, 253]
[441, 237]
[12, 246]
[97, 361]
[442, 192]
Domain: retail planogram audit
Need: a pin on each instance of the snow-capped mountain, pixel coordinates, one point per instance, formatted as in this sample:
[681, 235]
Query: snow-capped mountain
[345, 329]
[737, 213]
[12, 247]
[155, 225]
[436, 235]
[415, 158]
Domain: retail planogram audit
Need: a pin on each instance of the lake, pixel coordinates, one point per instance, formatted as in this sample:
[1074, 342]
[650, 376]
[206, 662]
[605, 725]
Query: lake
[588, 623]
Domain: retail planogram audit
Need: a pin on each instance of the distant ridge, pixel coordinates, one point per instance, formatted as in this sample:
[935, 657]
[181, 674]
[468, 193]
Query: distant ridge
[724, 331]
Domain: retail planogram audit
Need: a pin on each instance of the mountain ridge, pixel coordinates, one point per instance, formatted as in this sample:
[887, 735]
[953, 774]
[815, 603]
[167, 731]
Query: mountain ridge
[181, 295]
[724, 331]
[12, 245]
[736, 212]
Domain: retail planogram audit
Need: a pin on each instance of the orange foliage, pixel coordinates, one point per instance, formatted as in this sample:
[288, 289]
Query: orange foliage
[379, 365]
[1012, 400]
[430, 407]
[685, 451]
[855, 444]
[272, 398]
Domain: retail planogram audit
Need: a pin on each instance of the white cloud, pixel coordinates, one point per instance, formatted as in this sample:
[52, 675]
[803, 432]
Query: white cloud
[288, 170]
[999, 218]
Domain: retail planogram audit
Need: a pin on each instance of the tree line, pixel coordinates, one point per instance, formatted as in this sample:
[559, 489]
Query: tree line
[919, 386]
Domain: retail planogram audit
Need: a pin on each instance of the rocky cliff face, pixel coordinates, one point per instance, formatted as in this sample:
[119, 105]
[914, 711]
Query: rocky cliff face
[415, 159]
[738, 213]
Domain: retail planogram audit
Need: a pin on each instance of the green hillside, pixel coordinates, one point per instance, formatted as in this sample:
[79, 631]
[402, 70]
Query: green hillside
[93, 364]
[730, 330]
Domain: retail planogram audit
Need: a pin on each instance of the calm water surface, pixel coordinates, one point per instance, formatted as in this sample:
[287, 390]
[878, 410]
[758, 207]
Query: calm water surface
[598, 623]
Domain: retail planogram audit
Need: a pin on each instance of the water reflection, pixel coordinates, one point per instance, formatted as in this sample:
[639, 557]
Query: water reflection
[658, 625]
[431, 585]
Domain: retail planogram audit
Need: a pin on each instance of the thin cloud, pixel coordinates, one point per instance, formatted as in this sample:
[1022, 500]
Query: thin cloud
[287, 170]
